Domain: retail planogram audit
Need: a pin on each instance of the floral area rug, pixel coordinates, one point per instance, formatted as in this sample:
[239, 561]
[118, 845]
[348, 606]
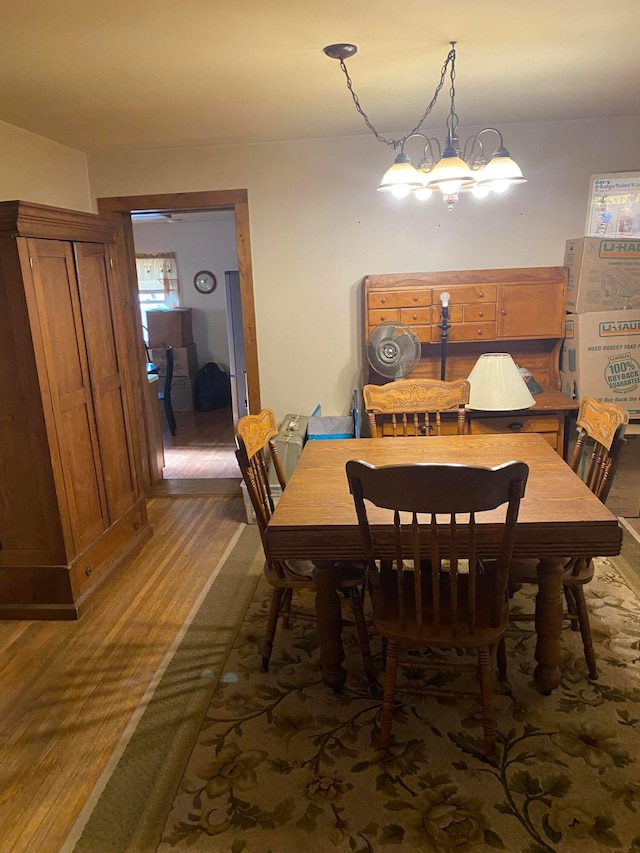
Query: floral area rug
[283, 764]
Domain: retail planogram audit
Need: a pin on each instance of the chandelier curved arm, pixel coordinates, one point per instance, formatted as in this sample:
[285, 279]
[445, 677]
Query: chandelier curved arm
[432, 152]
[474, 151]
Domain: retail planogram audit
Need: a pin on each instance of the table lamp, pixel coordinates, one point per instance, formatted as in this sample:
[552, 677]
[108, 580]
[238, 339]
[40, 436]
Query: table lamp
[497, 384]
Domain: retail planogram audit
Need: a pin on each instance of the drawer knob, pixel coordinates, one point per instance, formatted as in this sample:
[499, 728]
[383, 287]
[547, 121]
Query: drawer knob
[481, 294]
[383, 300]
[88, 571]
[415, 298]
[415, 316]
[516, 426]
[480, 332]
[382, 317]
[503, 312]
[481, 314]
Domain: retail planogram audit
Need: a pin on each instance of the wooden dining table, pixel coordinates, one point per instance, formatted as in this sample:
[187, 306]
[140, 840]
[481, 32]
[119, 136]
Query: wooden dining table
[559, 517]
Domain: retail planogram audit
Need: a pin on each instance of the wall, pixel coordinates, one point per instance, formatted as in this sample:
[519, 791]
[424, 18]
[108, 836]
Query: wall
[318, 226]
[198, 246]
[35, 169]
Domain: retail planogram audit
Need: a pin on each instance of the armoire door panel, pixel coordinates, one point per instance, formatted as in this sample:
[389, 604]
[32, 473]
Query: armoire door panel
[66, 363]
[78, 462]
[56, 301]
[106, 378]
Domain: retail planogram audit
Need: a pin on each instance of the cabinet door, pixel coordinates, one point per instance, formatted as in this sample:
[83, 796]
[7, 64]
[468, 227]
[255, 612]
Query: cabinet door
[70, 421]
[106, 377]
[530, 310]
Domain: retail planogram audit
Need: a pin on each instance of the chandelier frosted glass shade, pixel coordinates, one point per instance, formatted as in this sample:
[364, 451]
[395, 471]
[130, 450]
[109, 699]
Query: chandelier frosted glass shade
[497, 385]
[500, 173]
[401, 178]
[450, 174]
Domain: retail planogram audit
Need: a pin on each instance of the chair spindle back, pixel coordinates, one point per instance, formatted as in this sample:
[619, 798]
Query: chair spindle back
[435, 537]
[604, 424]
[413, 407]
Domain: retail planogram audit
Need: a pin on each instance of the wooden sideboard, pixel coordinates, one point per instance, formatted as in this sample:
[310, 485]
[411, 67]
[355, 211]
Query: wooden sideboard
[520, 311]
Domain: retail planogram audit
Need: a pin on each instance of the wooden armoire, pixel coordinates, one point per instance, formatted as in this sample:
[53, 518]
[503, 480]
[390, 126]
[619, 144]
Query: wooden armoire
[71, 501]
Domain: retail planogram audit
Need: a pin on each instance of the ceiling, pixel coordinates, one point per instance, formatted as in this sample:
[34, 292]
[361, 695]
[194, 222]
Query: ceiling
[134, 74]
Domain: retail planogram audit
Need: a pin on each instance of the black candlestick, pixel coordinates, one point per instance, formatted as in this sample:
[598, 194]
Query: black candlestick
[444, 328]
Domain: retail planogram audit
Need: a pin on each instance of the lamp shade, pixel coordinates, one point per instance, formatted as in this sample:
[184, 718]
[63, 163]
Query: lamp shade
[497, 384]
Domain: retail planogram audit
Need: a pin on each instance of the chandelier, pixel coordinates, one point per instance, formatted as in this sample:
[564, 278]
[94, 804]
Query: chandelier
[481, 166]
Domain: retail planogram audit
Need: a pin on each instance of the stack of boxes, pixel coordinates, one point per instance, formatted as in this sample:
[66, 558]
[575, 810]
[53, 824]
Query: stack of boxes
[174, 329]
[601, 352]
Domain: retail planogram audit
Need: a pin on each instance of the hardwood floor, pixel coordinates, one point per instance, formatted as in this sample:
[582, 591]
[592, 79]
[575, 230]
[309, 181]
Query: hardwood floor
[200, 458]
[70, 688]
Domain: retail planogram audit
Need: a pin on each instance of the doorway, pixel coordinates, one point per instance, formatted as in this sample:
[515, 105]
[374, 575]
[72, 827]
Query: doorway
[189, 451]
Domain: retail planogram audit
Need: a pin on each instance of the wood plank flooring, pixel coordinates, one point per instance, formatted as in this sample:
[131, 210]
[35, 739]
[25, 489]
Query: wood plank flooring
[202, 448]
[69, 688]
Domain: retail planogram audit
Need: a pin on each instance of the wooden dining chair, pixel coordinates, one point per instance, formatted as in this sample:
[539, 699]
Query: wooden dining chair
[256, 454]
[595, 458]
[165, 394]
[438, 586]
[415, 406]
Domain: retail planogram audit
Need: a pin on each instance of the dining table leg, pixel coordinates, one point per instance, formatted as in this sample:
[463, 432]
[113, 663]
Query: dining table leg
[549, 613]
[329, 626]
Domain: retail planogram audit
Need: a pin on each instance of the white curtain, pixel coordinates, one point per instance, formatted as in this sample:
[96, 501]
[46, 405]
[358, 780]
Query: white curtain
[159, 273]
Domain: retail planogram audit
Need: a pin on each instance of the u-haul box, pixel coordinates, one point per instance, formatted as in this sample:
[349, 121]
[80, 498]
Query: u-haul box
[604, 274]
[601, 357]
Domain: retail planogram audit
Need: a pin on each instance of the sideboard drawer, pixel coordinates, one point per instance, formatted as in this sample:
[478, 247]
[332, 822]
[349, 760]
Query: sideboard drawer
[390, 315]
[549, 426]
[415, 316]
[466, 332]
[456, 314]
[462, 293]
[473, 313]
[399, 299]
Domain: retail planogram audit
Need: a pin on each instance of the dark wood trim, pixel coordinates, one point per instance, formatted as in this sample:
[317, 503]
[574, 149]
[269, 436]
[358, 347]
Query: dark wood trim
[161, 202]
[27, 219]
[124, 206]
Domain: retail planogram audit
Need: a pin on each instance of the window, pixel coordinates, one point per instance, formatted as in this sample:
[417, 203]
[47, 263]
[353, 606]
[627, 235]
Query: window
[158, 285]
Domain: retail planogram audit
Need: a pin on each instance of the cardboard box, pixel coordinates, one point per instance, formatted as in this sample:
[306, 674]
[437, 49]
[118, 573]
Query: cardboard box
[185, 360]
[604, 274]
[323, 427]
[182, 393]
[170, 328]
[600, 358]
[624, 497]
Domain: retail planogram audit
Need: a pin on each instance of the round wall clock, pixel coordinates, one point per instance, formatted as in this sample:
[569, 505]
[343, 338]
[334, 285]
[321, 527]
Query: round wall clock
[204, 281]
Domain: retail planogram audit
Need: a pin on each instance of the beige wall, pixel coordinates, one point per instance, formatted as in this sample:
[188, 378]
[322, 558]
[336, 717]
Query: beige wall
[35, 169]
[318, 226]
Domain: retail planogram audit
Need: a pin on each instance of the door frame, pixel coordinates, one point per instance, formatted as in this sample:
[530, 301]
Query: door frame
[124, 206]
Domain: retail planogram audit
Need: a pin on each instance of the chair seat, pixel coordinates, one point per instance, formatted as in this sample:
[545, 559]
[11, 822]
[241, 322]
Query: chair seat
[577, 571]
[387, 619]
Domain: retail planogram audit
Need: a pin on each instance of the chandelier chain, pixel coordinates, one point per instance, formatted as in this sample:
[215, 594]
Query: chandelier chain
[452, 118]
[397, 143]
